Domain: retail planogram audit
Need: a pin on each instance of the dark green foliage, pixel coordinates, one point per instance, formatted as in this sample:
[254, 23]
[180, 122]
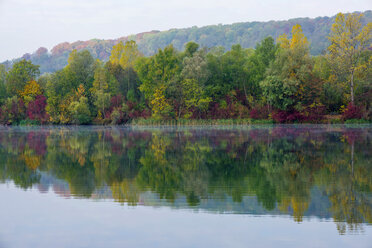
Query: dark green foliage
[3, 93]
[80, 69]
[332, 97]
[21, 72]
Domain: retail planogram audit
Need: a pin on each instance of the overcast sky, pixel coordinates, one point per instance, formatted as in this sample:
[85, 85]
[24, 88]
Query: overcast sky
[26, 25]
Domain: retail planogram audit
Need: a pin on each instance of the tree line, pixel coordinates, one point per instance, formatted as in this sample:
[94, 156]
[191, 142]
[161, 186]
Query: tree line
[278, 81]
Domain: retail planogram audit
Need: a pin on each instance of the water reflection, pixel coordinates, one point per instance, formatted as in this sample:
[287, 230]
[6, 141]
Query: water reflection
[300, 171]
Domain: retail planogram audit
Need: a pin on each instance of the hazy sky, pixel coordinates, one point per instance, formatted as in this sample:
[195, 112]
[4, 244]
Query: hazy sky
[26, 25]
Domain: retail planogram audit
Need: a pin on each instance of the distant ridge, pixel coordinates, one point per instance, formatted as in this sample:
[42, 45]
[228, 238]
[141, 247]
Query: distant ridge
[245, 33]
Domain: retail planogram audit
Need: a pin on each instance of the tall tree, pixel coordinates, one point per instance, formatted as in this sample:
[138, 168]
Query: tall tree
[100, 89]
[258, 63]
[288, 74]
[80, 69]
[3, 94]
[236, 70]
[190, 48]
[21, 73]
[348, 42]
[196, 67]
[158, 70]
[31, 90]
[122, 61]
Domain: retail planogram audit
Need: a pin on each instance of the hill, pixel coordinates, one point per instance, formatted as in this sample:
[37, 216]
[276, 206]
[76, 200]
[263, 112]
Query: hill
[246, 33]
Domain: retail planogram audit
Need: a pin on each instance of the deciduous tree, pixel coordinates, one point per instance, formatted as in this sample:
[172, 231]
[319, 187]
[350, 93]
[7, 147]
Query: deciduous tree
[349, 40]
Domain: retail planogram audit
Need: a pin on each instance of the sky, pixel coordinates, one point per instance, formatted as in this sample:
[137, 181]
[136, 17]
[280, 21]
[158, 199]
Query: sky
[26, 25]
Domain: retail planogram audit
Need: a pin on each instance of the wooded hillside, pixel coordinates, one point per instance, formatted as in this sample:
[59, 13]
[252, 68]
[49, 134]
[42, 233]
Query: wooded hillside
[247, 34]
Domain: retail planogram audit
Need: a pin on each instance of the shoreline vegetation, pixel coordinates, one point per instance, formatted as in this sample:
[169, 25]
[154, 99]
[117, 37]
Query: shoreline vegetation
[277, 82]
[204, 122]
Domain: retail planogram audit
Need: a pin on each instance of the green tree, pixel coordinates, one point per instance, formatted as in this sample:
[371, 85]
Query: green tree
[3, 93]
[80, 111]
[61, 86]
[22, 72]
[80, 69]
[191, 48]
[216, 85]
[196, 67]
[58, 88]
[122, 62]
[193, 97]
[236, 70]
[157, 72]
[348, 43]
[264, 55]
[288, 75]
[100, 89]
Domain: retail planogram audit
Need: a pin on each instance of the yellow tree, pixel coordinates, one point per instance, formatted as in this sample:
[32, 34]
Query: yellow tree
[130, 54]
[290, 72]
[159, 103]
[116, 53]
[30, 91]
[99, 89]
[348, 42]
[126, 56]
[298, 40]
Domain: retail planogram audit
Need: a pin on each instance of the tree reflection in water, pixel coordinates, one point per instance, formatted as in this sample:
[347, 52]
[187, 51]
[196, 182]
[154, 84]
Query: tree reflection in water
[297, 170]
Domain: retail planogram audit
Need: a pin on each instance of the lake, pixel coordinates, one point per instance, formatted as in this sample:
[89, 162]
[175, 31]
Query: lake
[249, 186]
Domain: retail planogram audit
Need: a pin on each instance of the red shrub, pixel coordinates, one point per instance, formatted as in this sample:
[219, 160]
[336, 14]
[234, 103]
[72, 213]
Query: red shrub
[281, 116]
[17, 111]
[36, 109]
[352, 112]
[229, 108]
[261, 112]
[314, 114]
[117, 101]
[3, 116]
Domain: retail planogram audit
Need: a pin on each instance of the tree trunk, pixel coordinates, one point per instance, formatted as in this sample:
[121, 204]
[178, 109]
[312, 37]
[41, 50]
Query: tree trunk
[245, 92]
[179, 112]
[127, 81]
[352, 87]
[352, 158]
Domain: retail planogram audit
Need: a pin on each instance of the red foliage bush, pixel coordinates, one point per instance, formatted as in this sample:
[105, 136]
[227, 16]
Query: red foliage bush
[3, 117]
[352, 112]
[314, 114]
[36, 109]
[282, 116]
[16, 113]
[117, 101]
[229, 108]
[259, 113]
[134, 110]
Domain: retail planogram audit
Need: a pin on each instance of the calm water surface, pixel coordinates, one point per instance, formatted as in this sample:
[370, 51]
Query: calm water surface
[257, 186]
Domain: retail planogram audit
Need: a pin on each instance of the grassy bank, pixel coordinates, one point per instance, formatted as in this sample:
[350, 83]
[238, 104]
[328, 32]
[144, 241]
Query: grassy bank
[206, 122]
[200, 122]
[215, 122]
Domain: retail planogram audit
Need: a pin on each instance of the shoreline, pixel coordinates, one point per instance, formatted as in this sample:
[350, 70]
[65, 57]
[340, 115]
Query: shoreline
[200, 123]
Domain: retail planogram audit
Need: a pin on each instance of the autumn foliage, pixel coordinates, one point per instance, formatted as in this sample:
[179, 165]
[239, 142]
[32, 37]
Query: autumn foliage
[278, 81]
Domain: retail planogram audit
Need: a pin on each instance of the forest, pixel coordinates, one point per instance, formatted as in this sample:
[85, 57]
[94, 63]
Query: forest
[277, 81]
[247, 34]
